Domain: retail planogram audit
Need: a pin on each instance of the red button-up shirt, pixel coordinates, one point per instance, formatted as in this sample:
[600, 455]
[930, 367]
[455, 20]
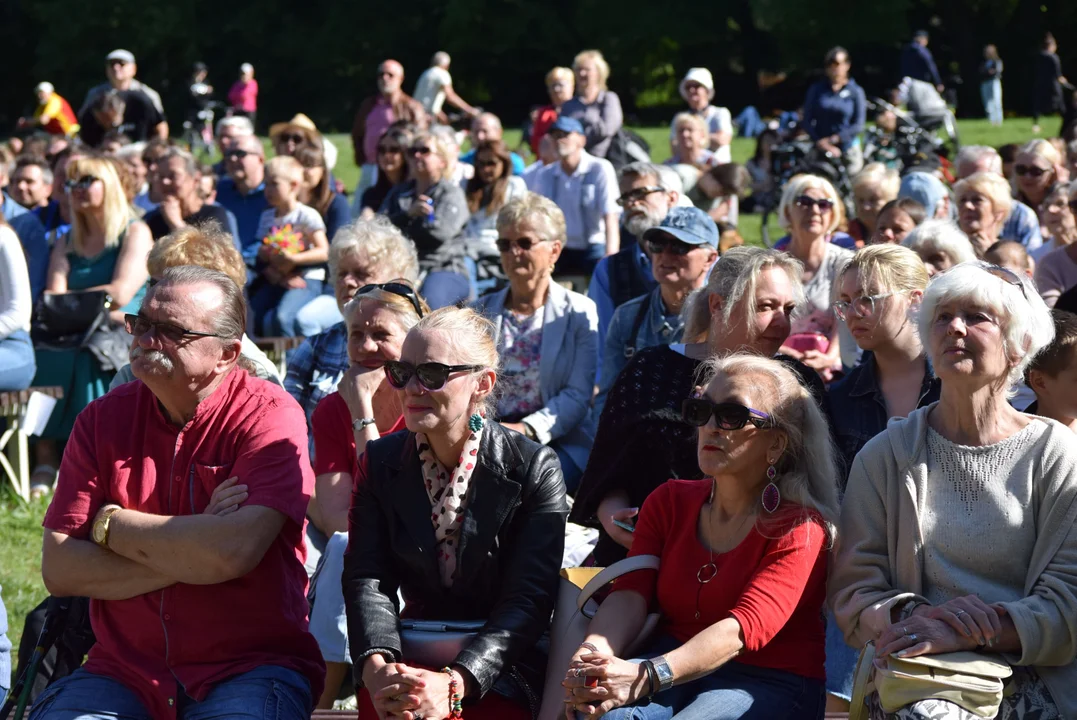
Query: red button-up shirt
[124, 450]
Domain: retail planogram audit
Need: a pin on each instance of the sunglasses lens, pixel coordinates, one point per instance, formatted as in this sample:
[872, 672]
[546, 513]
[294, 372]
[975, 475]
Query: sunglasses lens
[397, 373]
[696, 412]
[432, 375]
[730, 416]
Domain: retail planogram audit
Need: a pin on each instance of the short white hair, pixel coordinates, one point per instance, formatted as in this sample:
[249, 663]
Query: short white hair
[1024, 320]
[242, 125]
[886, 180]
[941, 236]
[441, 59]
[384, 245]
[979, 153]
[132, 150]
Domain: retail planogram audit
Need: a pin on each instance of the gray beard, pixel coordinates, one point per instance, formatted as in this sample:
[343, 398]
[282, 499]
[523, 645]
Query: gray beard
[639, 224]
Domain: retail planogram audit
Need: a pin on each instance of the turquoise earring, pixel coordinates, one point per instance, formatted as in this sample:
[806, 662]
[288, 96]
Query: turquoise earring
[475, 422]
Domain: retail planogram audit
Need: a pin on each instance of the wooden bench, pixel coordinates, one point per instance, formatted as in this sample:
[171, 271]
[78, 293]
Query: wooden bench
[14, 440]
[276, 348]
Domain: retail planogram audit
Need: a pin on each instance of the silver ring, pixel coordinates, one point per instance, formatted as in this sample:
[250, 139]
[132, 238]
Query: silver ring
[959, 613]
[905, 631]
[577, 671]
[913, 637]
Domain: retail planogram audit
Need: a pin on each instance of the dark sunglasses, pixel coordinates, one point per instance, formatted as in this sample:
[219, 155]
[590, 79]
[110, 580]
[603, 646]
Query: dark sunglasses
[558, 134]
[637, 195]
[83, 183]
[727, 415]
[292, 137]
[420, 150]
[431, 375]
[665, 243]
[389, 150]
[138, 326]
[524, 243]
[396, 288]
[1031, 170]
[1073, 206]
[808, 202]
[1007, 276]
[487, 163]
[237, 154]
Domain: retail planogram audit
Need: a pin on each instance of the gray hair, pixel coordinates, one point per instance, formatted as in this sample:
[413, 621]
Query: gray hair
[979, 153]
[231, 321]
[662, 179]
[190, 165]
[441, 59]
[734, 278]
[1024, 320]
[130, 151]
[385, 247]
[935, 236]
[241, 124]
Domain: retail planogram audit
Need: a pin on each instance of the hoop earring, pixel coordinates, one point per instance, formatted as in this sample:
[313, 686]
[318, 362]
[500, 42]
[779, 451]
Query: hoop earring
[772, 497]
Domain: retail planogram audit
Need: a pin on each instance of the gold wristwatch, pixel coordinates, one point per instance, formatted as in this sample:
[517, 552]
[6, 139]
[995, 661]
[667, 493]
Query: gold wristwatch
[101, 527]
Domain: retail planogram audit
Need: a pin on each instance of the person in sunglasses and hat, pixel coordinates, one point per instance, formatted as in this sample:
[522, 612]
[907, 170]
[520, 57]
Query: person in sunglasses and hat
[287, 137]
[682, 249]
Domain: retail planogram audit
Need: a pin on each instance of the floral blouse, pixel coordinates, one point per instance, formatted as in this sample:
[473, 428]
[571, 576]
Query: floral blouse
[520, 348]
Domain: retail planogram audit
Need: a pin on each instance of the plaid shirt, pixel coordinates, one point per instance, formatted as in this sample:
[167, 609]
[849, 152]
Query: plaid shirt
[316, 368]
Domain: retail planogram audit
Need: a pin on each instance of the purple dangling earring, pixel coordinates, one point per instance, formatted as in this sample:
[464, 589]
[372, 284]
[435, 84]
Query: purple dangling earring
[772, 498]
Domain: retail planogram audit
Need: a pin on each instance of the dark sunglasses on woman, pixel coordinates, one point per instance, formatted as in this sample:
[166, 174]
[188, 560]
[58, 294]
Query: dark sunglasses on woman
[524, 243]
[396, 288]
[83, 183]
[292, 137]
[431, 375]
[808, 202]
[1022, 170]
[727, 415]
[421, 150]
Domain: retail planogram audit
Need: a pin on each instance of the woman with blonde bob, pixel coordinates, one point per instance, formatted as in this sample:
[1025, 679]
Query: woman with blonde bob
[983, 204]
[1035, 170]
[742, 580]
[940, 244]
[596, 107]
[956, 530]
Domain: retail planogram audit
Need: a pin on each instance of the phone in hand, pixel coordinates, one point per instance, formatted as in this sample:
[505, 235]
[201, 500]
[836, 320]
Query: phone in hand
[625, 526]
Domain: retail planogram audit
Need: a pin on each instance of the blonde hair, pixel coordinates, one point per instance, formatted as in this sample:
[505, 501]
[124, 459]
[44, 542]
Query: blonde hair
[117, 211]
[887, 268]
[1043, 149]
[398, 304]
[382, 242]
[887, 180]
[438, 144]
[205, 245]
[993, 187]
[689, 118]
[601, 65]
[797, 186]
[538, 211]
[563, 74]
[285, 166]
[806, 469]
[472, 337]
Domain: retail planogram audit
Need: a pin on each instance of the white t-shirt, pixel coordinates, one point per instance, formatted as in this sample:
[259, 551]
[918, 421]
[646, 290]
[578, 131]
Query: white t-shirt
[718, 119]
[303, 219]
[430, 90]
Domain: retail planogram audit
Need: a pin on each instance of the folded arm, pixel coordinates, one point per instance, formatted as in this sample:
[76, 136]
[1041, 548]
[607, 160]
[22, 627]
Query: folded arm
[74, 567]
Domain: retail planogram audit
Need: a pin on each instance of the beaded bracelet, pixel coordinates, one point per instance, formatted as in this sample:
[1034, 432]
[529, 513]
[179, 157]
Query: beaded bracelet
[456, 703]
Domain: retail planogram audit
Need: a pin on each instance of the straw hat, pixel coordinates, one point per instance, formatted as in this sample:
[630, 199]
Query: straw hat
[300, 123]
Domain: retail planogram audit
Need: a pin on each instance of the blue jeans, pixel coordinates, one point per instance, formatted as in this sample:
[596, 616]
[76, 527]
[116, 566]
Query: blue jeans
[275, 308]
[991, 94]
[571, 472]
[262, 694]
[840, 660]
[328, 620]
[17, 366]
[443, 288]
[749, 123]
[318, 315]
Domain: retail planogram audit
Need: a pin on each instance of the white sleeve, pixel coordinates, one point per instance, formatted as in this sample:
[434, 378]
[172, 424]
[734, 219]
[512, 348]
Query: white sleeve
[311, 219]
[723, 120]
[17, 305]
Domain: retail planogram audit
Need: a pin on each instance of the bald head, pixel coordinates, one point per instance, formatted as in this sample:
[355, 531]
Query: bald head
[390, 77]
[441, 59]
[486, 127]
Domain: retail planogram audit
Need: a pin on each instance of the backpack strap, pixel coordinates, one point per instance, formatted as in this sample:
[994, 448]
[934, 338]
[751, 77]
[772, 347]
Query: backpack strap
[641, 315]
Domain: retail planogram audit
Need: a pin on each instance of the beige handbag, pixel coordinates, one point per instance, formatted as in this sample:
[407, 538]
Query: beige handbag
[969, 679]
[573, 613]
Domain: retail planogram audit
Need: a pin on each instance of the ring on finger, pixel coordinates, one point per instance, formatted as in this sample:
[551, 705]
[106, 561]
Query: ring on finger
[904, 631]
[959, 613]
[913, 637]
[576, 672]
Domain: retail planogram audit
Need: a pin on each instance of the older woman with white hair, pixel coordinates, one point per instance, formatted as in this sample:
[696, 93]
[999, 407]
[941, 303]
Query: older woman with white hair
[697, 89]
[940, 244]
[983, 204]
[873, 187]
[1056, 271]
[741, 582]
[812, 211]
[595, 106]
[957, 527]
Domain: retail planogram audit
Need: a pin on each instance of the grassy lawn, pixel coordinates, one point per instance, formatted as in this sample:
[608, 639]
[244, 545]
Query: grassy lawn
[20, 525]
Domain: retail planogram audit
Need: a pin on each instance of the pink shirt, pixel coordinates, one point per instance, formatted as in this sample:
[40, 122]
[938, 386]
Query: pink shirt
[244, 96]
[377, 122]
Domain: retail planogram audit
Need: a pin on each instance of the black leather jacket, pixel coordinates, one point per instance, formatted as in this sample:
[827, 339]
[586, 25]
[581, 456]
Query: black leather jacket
[508, 560]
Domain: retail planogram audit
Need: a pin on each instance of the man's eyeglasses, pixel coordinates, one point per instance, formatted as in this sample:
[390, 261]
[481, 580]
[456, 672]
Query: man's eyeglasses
[808, 202]
[863, 306]
[1007, 276]
[666, 243]
[237, 154]
[727, 415]
[137, 326]
[419, 150]
[292, 138]
[389, 150]
[396, 288]
[83, 183]
[1030, 170]
[431, 375]
[524, 243]
[637, 195]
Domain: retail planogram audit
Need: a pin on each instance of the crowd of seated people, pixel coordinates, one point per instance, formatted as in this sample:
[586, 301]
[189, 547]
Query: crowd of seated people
[862, 434]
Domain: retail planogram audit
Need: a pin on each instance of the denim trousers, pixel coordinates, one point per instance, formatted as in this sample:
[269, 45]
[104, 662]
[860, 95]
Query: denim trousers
[275, 307]
[268, 693]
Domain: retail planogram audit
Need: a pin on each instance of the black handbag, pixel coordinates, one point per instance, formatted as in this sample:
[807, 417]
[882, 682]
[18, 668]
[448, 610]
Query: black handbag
[68, 320]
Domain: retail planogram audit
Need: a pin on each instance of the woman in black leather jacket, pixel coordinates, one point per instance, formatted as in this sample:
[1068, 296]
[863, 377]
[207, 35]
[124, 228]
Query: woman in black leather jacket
[466, 520]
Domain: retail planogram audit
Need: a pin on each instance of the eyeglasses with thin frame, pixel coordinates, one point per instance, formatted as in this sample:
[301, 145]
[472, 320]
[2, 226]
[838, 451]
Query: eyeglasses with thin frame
[83, 183]
[727, 415]
[863, 306]
[137, 326]
[431, 375]
[524, 243]
[808, 202]
[637, 195]
[396, 288]
[1030, 170]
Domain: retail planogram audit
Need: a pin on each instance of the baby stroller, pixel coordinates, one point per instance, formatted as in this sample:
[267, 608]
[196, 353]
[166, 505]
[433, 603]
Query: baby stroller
[928, 109]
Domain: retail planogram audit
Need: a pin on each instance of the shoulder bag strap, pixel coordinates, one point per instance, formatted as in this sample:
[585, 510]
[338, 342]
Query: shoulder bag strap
[641, 315]
[614, 571]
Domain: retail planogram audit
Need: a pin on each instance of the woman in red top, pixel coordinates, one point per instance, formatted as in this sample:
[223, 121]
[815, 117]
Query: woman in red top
[742, 579]
[561, 84]
[362, 409]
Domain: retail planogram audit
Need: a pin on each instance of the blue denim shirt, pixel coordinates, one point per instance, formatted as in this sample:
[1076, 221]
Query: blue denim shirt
[600, 289]
[857, 412]
[1022, 226]
[657, 329]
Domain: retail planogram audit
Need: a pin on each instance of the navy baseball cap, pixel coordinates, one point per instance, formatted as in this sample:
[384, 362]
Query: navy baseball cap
[690, 225]
[567, 124]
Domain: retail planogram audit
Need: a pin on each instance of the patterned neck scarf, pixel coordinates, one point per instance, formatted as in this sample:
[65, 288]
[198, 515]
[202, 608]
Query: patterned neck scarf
[447, 491]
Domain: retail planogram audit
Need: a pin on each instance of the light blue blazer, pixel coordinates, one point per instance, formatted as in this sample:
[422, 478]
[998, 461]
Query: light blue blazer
[566, 369]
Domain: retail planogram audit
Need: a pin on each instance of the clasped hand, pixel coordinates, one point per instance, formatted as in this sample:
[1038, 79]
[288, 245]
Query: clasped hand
[598, 682]
[399, 691]
[965, 623]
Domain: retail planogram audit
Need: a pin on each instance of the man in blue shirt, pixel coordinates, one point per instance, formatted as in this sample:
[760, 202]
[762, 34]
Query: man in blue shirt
[835, 110]
[918, 63]
[487, 126]
[242, 191]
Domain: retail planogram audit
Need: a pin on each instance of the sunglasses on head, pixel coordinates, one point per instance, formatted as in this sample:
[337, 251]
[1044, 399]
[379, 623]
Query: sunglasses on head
[292, 137]
[666, 243]
[137, 326]
[524, 243]
[727, 415]
[83, 183]
[1030, 170]
[396, 288]
[808, 202]
[420, 150]
[431, 375]
[237, 154]
[1007, 276]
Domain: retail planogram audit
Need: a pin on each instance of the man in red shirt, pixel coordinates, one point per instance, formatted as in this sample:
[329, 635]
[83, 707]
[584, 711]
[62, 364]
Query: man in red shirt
[179, 512]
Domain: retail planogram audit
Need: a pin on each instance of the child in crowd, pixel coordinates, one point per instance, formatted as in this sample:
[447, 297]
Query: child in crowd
[293, 253]
[1012, 256]
[1052, 375]
[718, 192]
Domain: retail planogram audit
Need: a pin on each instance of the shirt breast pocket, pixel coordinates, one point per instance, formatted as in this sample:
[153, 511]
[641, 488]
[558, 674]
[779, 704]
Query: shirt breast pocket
[203, 481]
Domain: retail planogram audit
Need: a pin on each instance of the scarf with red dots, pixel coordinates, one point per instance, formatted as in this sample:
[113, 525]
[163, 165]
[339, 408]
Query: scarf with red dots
[448, 497]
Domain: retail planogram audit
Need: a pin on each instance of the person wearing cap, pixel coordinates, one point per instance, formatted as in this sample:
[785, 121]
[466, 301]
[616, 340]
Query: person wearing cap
[835, 110]
[243, 95]
[585, 188]
[918, 63]
[287, 137]
[697, 89]
[929, 191]
[199, 94]
[682, 248]
[120, 68]
[434, 88]
[53, 114]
